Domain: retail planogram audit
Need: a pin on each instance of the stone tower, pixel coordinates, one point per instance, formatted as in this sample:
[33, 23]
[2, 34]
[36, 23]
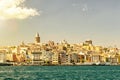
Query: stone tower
[37, 38]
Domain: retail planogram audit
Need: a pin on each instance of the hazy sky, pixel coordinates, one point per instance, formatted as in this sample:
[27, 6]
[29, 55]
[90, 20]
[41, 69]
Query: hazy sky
[72, 20]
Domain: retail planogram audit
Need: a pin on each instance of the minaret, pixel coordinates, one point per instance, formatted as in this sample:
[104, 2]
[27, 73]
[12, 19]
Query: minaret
[37, 38]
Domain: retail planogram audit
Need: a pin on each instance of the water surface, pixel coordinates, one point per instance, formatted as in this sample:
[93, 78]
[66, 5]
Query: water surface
[60, 73]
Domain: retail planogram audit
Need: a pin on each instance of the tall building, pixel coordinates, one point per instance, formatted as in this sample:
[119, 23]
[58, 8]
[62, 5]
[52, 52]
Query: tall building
[37, 38]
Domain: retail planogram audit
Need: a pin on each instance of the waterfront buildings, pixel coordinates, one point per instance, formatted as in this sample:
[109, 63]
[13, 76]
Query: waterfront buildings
[36, 58]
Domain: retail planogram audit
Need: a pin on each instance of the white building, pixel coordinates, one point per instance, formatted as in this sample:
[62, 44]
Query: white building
[2, 57]
[55, 58]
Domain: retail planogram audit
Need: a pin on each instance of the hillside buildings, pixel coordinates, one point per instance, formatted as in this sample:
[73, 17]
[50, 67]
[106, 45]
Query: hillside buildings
[63, 53]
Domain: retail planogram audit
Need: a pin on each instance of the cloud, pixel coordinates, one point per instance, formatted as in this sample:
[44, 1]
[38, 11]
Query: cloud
[14, 9]
[85, 8]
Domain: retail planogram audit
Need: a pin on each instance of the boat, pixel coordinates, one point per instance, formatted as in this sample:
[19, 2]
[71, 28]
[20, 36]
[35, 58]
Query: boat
[98, 64]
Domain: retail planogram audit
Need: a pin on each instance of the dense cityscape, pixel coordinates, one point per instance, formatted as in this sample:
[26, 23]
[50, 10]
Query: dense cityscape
[62, 53]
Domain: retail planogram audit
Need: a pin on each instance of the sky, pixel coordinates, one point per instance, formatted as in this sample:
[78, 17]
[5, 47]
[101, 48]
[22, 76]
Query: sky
[72, 20]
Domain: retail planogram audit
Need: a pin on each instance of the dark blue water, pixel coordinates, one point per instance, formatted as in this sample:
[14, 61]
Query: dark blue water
[60, 73]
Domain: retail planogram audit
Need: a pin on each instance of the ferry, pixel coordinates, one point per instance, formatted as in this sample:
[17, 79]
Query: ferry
[99, 64]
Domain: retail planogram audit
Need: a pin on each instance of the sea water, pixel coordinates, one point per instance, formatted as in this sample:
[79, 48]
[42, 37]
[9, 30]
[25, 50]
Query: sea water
[59, 72]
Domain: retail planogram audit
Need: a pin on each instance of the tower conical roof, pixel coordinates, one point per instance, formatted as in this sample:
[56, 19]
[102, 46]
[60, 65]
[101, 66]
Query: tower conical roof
[37, 35]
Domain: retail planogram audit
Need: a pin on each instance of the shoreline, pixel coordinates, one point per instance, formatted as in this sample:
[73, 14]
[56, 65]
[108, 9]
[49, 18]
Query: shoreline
[67, 65]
